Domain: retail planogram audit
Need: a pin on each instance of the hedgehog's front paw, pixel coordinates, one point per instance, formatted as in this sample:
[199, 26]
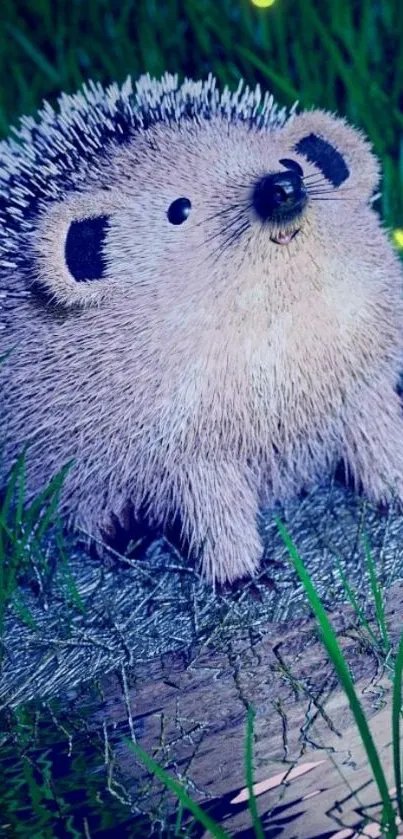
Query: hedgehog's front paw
[384, 488]
[393, 491]
[219, 504]
[383, 482]
[373, 444]
[226, 559]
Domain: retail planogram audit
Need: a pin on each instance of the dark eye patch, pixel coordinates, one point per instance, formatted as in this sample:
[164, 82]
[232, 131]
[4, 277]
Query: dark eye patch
[84, 248]
[325, 156]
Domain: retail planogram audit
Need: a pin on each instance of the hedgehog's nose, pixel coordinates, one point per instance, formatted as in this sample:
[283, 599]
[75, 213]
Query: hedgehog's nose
[280, 196]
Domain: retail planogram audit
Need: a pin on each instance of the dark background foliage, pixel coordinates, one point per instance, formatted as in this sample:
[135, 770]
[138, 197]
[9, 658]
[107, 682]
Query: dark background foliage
[344, 55]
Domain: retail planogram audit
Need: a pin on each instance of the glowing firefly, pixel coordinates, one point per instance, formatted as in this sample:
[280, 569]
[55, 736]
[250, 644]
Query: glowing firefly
[262, 4]
[397, 236]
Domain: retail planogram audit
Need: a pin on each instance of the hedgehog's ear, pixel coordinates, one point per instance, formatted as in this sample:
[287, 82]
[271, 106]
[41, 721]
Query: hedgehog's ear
[71, 249]
[341, 153]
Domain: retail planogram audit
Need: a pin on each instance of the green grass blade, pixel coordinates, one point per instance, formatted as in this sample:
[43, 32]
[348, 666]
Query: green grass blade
[257, 824]
[331, 644]
[22, 611]
[49, 513]
[178, 821]
[19, 508]
[396, 714]
[68, 577]
[12, 483]
[50, 495]
[376, 593]
[11, 543]
[282, 84]
[357, 608]
[177, 788]
[37, 57]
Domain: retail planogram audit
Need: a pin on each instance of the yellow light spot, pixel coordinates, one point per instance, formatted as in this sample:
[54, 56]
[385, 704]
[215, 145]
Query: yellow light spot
[262, 4]
[398, 237]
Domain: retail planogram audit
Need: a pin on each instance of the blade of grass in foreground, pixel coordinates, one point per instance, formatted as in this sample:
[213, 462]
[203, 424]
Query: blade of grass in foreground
[357, 608]
[177, 788]
[257, 824]
[396, 712]
[376, 593]
[330, 642]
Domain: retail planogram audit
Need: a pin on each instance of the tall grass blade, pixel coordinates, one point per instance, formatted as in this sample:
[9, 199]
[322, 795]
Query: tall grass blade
[354, 602]
[175, 787]
[31, 50]
[49, 492]
[376, 593]
[283, 84]
[257, 824]
[396, 715]
[331, 644]
[68, 577]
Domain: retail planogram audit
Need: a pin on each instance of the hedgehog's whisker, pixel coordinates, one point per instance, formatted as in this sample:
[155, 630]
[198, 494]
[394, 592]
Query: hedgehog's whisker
[229, 209]
[220, 251]
[237, 218]
[315, 183]
[323, 198]
[234, 236]
[224, 230]
[320, 192]
[315, 180]
[325, 183]
[332, 190]
[324, 189]
[220, 213]
[314, 175]
[317, 191]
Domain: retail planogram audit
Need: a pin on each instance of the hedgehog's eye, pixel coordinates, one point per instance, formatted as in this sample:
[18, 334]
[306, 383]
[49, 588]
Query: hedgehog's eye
[293, 165]
[83, 248]
[179, 210]
[325, 156]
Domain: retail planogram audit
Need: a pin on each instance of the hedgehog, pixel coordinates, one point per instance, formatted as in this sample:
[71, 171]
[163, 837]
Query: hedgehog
[200, 308]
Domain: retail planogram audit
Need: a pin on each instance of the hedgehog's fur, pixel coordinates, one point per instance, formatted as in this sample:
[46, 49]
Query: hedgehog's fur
[209, 369]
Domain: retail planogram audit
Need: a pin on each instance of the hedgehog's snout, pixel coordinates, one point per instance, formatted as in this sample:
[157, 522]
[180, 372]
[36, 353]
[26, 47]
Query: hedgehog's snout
[279, 197]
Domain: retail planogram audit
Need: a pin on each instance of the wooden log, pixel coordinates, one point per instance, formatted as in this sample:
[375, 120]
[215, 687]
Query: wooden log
[191, 716]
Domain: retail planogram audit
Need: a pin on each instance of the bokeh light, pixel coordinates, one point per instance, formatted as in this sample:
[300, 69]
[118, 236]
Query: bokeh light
[398, 237]
[262, 4]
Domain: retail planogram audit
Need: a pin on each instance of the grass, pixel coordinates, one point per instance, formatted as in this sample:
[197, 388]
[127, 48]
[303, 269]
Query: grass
[376, 594]
[53, 779]
[174, 786]
[329, 639]
[23, 528]
[255, 819]
[381, 643]
[342, 55]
